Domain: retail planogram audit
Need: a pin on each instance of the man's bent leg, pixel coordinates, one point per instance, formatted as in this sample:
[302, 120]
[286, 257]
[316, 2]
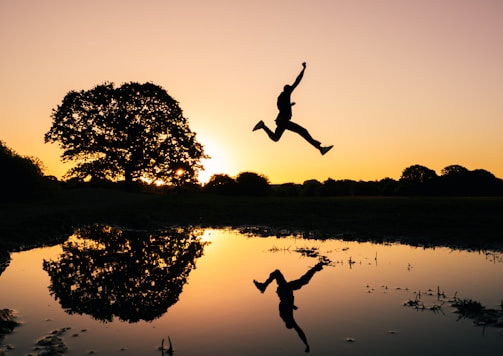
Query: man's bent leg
[276, 275]
[276, 135]
[273, 135]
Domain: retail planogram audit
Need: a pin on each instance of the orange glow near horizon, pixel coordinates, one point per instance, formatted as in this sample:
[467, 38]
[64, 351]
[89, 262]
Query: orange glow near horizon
[389, 83]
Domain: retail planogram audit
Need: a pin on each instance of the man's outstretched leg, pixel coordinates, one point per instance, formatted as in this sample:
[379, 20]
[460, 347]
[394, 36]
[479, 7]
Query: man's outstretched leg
[288, 125]
[302, 281]
[292, 126]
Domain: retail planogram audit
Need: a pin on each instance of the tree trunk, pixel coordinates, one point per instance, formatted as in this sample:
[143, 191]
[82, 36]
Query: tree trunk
[128, 176]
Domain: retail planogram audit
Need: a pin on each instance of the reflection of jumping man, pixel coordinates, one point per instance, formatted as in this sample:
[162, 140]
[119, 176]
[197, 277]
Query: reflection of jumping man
[285, 293]
[283, 120]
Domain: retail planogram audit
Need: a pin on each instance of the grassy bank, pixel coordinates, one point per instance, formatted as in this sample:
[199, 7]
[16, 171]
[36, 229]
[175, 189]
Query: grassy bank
[473, 222]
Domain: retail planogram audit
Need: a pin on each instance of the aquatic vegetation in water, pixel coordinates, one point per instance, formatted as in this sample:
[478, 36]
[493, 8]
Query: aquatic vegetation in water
[52, 344]
[168, 351]
[465, 307]
[7, 322]
[472, 309]
[265, 231]
[468, 306]
[314, 252]
[7, 325]
[418, 304]
[310, 252]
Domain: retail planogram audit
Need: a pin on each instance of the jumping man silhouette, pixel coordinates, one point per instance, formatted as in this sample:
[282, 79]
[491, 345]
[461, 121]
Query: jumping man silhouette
[286, 299]
[283, 120]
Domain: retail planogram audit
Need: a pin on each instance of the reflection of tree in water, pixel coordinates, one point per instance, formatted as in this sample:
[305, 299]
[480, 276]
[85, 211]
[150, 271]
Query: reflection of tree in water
[106, 272]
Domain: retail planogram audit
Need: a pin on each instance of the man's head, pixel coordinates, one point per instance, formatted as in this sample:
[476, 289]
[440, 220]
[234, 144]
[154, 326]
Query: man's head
[287, 88]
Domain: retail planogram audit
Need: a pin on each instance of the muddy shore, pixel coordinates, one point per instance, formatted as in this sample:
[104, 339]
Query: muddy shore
[465, 222]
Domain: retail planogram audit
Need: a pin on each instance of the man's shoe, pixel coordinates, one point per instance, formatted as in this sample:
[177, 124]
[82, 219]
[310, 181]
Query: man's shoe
[259, 125]
[260, 286]
[324, 150]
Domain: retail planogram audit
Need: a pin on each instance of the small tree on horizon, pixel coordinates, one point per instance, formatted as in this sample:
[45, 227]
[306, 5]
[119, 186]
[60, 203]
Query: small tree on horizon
[221, 184]
[417, 179]
[252, 184]
[454, 170]
[130, 132]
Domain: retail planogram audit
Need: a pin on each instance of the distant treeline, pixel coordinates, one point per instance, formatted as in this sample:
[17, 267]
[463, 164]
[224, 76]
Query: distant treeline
[416, 180]
[23, 177]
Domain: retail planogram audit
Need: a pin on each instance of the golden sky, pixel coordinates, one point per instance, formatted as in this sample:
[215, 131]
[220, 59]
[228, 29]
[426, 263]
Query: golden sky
[390, 83]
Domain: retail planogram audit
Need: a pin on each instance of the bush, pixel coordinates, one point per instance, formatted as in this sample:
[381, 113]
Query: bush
[253, 184]
[21, 177]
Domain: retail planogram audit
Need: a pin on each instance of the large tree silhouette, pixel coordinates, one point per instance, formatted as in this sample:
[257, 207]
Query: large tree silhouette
[129, 132]
[108, 272]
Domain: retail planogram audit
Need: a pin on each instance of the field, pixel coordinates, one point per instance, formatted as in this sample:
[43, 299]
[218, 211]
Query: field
[469, 222]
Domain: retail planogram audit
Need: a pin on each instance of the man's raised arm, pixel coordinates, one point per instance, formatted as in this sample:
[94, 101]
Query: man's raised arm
[299, 77]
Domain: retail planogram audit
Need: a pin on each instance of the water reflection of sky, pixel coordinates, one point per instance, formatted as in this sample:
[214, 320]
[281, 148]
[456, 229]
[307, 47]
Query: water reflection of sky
[220, 311]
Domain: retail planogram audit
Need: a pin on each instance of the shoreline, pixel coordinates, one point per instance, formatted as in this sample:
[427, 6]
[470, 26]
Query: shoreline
[468, 222]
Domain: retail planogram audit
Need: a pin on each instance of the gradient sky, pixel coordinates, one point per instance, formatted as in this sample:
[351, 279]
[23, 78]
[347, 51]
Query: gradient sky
[390, 83]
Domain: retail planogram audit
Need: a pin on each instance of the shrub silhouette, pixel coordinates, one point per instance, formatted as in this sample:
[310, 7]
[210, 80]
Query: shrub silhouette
[221, 184]
[253, 184]
[20, 177]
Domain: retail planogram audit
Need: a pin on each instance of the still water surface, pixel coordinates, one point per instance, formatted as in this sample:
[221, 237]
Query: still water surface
[123, 296]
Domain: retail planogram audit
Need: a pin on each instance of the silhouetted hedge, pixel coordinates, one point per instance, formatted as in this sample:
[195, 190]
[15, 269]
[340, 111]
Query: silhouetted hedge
[416, 180]
[246, 183]
[21, 177]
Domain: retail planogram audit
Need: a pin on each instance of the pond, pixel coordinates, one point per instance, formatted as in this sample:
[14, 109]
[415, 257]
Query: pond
[110, 291]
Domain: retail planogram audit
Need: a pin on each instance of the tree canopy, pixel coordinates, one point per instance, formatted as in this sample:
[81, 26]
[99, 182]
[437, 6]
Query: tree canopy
[126, 133]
